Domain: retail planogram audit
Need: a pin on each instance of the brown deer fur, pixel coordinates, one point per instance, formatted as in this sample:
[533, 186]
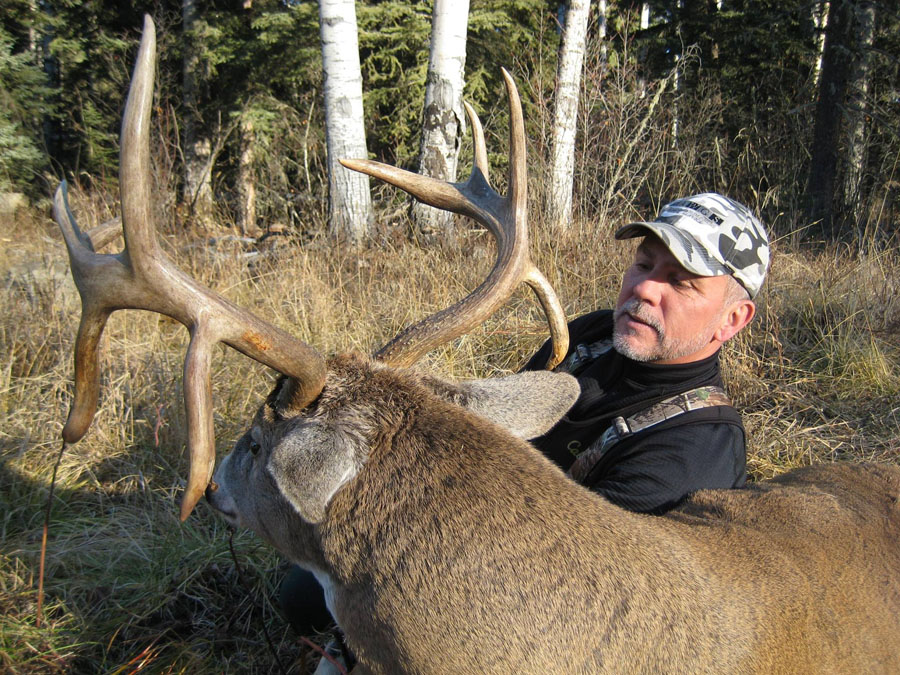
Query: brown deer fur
[448, 545]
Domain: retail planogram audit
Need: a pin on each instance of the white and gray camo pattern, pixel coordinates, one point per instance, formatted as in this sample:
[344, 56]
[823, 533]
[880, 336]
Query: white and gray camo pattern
[711, 235]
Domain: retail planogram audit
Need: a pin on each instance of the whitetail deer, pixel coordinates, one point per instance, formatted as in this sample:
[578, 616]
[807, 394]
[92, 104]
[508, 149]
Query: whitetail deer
[445, 542]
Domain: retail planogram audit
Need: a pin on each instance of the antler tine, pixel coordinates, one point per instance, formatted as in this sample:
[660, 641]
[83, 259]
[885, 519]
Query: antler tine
[104, 233]
[478, 144]
[505, 217]
[142, 277]
[134, 156]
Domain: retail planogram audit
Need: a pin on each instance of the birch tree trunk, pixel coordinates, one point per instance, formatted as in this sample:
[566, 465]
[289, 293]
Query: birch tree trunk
[602, 15]
[443, 120]
[197, 192]
[820, 21]
[349, 199]
[642, 53]
[558, 197]
[246, 181]
[857, 108]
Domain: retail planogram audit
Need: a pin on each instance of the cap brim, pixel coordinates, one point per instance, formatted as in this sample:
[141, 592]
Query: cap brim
[666, 233]
[632, 230]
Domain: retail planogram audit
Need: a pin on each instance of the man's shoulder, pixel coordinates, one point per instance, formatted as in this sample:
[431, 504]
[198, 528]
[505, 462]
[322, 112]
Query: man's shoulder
[596, 325]
[586, 329]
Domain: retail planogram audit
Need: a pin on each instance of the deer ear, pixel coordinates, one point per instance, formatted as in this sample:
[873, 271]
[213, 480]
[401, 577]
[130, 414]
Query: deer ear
[310, 464]
[527, 404]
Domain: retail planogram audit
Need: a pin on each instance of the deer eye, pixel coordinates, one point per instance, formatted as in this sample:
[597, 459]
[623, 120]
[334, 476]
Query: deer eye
[254, 448]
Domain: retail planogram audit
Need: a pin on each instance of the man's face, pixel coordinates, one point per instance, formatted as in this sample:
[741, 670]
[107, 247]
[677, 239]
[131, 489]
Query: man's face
[666, 314]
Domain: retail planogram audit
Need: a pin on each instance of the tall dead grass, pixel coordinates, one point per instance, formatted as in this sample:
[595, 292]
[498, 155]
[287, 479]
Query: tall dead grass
[129, 588]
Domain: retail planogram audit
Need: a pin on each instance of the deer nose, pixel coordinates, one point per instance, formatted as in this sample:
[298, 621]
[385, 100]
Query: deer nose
[212, 487]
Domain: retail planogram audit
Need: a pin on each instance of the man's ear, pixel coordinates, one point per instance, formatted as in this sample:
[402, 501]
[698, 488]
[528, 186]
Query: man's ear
[738, 315]
[527, 404]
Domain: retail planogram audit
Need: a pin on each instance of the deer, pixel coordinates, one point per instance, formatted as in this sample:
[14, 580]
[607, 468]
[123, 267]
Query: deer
[446, 543]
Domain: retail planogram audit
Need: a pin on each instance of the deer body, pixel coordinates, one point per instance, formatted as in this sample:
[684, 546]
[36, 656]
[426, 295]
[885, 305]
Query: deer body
[455, 547]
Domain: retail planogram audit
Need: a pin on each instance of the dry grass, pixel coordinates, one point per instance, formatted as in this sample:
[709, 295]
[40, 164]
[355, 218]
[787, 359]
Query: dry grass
[130, 589]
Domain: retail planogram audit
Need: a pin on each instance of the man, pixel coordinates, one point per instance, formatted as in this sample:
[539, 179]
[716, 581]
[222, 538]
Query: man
[653, 423]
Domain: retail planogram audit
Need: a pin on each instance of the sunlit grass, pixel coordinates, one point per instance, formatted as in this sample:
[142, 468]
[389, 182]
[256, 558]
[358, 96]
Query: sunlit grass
[130, 589]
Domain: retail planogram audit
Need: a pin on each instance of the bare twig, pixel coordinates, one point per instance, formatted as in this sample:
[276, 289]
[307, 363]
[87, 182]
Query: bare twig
[40, 598]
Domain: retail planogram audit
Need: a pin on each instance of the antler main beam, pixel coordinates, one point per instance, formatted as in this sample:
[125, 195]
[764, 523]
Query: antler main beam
[506, 217]
[143, 277]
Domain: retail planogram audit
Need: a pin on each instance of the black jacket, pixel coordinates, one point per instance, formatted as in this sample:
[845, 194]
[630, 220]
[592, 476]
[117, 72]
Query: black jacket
[656, 468]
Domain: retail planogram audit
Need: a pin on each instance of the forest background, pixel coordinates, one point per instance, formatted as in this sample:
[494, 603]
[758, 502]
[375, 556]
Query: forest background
[792, 107]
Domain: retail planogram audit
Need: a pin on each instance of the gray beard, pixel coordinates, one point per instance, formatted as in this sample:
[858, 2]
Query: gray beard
[665, 348]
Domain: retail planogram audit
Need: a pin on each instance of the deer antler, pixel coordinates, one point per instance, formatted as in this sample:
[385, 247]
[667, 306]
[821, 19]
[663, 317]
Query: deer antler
[142, 277]
[505, 217]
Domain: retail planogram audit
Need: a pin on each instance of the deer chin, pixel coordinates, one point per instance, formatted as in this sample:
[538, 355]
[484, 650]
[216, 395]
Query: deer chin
[225, 508]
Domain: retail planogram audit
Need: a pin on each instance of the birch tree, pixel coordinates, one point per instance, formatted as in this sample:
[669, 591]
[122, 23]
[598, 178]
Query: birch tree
[558, 197]
[246, 180]
[349, 199]
[819, 19]
[443, 121]
[857, 111]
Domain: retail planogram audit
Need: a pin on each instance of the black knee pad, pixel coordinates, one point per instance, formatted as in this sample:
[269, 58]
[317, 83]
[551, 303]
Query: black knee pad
[303, 602]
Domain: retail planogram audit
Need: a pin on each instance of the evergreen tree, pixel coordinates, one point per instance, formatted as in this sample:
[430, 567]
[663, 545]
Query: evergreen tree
[23, 91]
[393, 44]
[87, 53]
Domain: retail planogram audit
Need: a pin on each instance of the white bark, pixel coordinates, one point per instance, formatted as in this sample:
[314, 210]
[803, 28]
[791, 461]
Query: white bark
[857, 109]
[197, 192]
[443, 119]
[820, 20]
[350, 203]
[601, 29]
[558, 197]
[246, 181]
[645, 24]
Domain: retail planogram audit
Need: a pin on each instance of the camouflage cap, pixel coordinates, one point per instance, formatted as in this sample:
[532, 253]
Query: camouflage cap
[711, 235]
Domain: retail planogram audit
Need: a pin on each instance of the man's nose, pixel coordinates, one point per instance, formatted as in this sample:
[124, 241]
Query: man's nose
[648, 290]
